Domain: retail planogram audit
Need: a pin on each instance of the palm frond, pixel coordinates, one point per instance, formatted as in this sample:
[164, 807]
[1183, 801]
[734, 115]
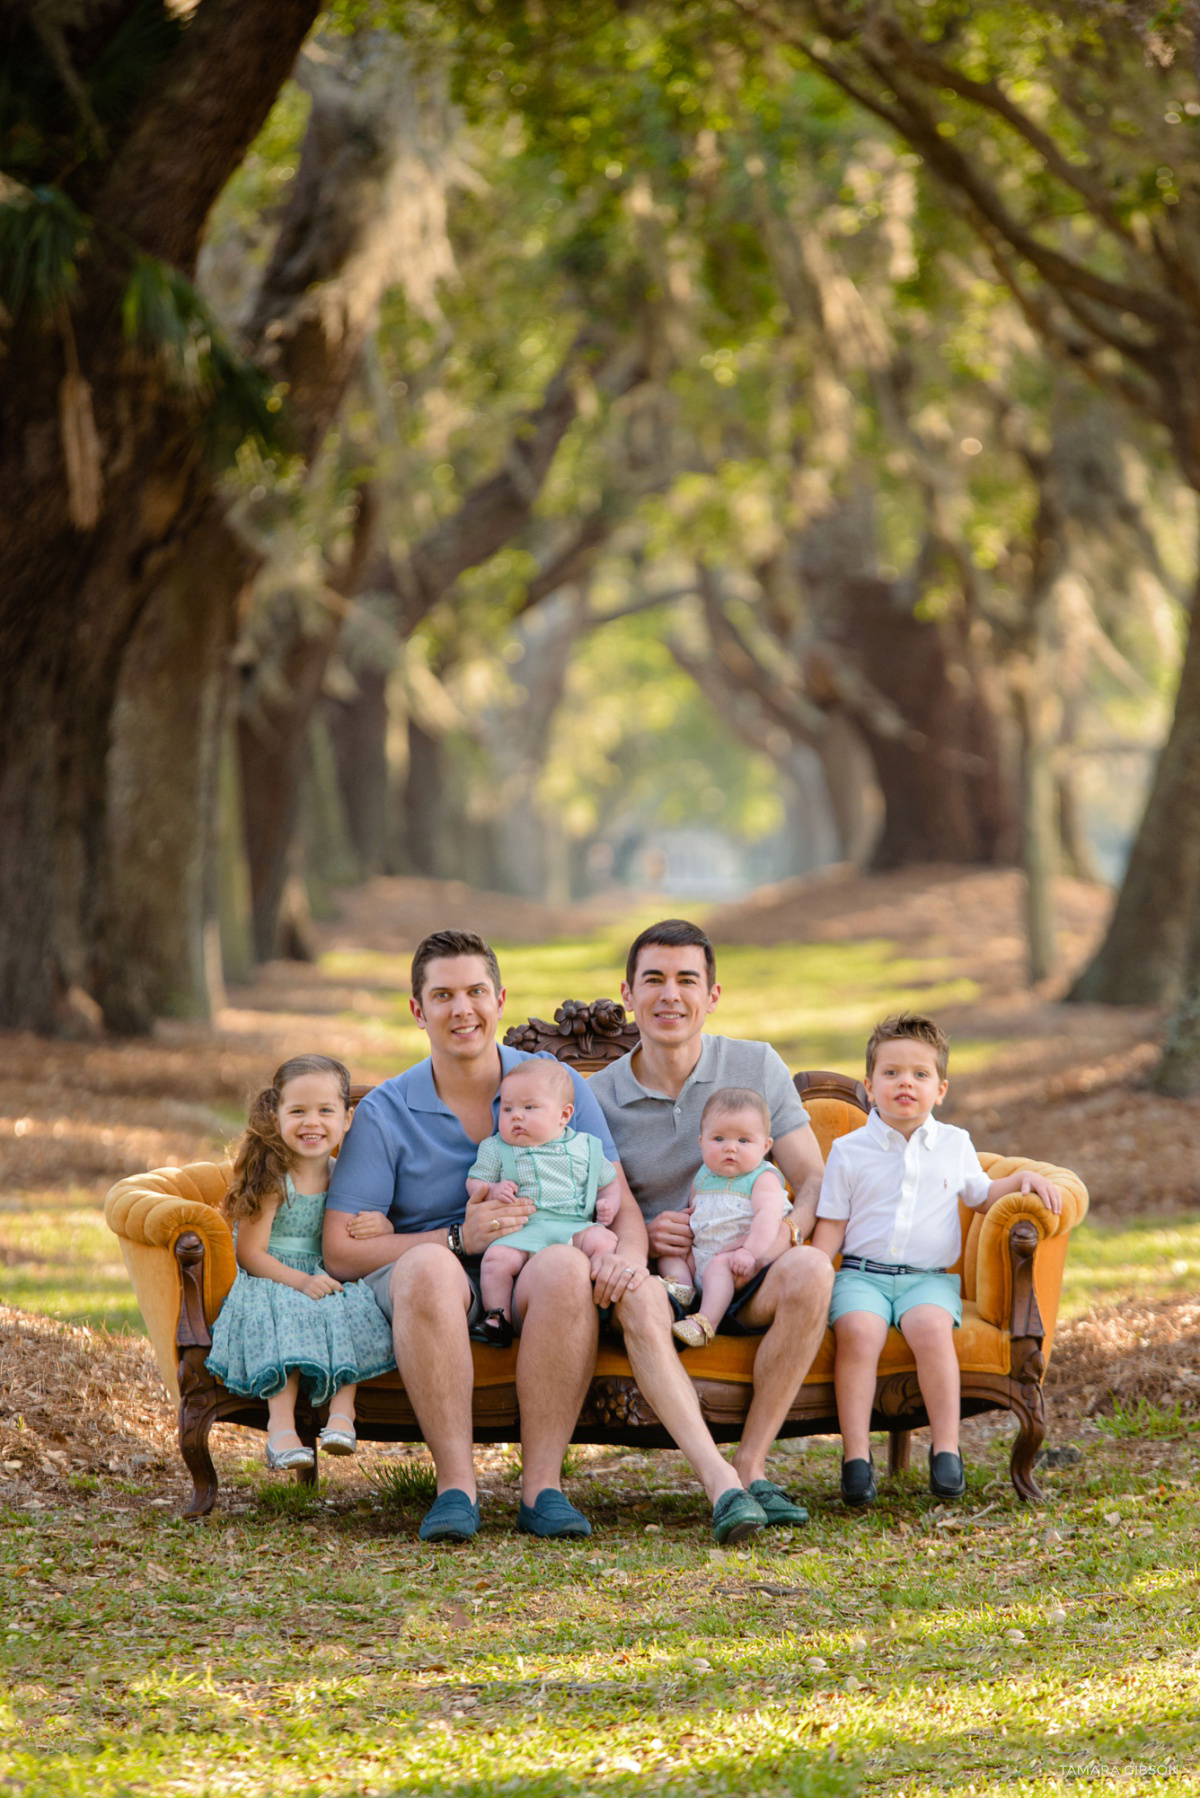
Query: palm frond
[164, 315]
[42, 236]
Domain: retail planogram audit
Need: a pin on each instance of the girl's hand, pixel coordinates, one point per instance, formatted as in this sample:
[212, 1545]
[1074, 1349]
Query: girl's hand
[741, 1264]
[368, 1223]
[319, 1286]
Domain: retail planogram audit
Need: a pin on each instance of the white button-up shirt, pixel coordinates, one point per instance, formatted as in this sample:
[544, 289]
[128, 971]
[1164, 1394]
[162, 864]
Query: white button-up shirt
[900, 1198]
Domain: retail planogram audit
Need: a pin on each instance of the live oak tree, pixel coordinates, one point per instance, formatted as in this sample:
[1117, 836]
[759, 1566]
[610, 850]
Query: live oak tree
[1067, 136]
[123, 120]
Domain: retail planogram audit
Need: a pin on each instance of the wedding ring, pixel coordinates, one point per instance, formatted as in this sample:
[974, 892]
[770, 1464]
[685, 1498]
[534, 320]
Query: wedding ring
[495, 1225]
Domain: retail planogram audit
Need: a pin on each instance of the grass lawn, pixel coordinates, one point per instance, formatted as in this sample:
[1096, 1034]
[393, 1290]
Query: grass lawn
[317, 1647]
[308, 1644]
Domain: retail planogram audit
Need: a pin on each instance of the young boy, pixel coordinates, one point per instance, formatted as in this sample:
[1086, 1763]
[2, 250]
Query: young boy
[889, 1202]
[562, 1172]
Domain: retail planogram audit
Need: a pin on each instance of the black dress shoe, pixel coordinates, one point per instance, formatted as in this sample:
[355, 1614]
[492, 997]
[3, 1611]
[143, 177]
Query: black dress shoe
[858, 1483]
[946, 1475]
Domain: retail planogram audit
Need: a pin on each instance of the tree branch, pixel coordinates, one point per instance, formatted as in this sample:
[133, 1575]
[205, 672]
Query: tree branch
[231, 62]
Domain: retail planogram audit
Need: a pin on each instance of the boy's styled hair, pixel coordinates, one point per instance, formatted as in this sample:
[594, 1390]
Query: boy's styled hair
[672, 933]
[552, 1074]
[450, 942]
[263, 1161]
[728, 1099]
[917, 1029]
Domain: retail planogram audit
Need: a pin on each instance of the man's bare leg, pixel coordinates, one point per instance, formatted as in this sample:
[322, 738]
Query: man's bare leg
[555, 1361]
[645, 1320]
[431, 1297]
[794, 1301]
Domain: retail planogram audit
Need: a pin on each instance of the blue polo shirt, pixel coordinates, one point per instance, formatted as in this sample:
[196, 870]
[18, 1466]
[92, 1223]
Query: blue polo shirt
[407, 1154]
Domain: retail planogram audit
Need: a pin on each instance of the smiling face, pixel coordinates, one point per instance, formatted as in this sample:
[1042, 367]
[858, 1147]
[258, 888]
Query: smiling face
[904, 1085]
[733, 1142]
[534, 1104]
[312, 1117]
[670, 996]
[459, 1006]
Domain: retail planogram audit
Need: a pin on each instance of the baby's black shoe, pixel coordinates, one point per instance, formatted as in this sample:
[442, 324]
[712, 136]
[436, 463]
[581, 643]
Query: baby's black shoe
[858, 1482]
[946, 1478]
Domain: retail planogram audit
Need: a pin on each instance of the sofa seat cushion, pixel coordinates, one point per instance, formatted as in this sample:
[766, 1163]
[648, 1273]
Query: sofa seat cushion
[982, 1348]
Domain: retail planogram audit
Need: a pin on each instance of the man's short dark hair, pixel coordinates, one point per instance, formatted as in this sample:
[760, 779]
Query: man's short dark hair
[910, 1026]
[672, 933]
[450, 942]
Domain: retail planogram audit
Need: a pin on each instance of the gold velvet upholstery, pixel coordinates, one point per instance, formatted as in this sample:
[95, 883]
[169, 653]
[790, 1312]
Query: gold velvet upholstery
[179, 1252]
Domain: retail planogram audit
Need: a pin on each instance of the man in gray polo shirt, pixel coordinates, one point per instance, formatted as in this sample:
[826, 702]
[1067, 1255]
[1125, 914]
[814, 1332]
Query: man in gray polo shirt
[652, 1100]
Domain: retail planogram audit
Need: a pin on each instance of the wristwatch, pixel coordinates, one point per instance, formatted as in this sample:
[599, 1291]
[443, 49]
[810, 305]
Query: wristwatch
[454, 1241]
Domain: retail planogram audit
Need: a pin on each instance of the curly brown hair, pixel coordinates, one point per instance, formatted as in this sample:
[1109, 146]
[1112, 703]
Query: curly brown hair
[263, 1162]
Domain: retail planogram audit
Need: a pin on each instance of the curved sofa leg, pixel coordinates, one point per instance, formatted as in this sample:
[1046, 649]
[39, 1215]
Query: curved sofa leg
[197, 1414]
[1029, 1407]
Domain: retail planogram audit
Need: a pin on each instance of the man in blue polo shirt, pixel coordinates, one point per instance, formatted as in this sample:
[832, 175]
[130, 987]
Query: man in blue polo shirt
[406, 1158]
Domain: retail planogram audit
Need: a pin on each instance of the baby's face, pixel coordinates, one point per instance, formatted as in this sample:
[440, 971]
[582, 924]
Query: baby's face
[733, 1142]
[532, 1110]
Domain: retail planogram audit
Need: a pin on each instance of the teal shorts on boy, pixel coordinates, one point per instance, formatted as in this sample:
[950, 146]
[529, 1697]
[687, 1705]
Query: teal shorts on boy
[890, 1295]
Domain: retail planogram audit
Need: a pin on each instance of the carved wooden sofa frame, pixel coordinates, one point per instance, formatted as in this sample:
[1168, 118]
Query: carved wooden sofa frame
[178, 1249]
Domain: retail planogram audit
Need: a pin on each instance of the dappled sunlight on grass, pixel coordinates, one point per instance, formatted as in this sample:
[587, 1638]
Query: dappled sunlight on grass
[1142, 1257]
[890, 1652]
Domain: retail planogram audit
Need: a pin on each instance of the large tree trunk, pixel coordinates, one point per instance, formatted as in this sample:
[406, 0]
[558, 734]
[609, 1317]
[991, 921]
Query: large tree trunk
[271, 740]
[936, 745]
[358, 731]
[366, 208]
[1140, 959]
[167, 732]
[80, 555]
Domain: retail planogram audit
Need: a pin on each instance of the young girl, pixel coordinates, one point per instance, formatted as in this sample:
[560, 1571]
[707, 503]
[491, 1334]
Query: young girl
[285, 1321]
[737, 1202]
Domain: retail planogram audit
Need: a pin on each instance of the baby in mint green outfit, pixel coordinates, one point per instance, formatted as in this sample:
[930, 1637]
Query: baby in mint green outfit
[565, 1174]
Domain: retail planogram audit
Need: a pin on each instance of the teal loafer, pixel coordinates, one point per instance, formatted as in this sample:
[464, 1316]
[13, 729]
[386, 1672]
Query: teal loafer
[452, 1517]
[552, 1516]
[735, 1516]
[776, 1503]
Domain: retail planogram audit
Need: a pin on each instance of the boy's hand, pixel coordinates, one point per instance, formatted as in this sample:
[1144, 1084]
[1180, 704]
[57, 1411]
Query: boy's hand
[741, 1264]
[607, 1208]
[319, 1286]
[368, 1223]
[1045, 1189]
[503, 1191]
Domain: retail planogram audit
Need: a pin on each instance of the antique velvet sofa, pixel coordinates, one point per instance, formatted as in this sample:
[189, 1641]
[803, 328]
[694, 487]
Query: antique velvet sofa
[179, 1252]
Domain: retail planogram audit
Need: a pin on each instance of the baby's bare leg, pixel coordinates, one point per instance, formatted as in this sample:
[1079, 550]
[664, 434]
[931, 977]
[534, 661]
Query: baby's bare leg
[595, 1240]
[677, 1267]
[497, 1275]
[860, 1337]
[716, 1289]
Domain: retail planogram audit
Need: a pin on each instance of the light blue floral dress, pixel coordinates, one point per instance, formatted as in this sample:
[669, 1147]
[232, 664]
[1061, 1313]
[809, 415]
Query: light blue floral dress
[264, 1329]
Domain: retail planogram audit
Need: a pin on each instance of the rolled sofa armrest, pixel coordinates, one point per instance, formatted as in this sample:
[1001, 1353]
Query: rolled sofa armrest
[148, 1213]
[996, 1249]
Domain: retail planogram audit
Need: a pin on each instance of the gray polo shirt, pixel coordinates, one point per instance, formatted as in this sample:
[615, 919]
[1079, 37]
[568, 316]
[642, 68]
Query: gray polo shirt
[658, 1138]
